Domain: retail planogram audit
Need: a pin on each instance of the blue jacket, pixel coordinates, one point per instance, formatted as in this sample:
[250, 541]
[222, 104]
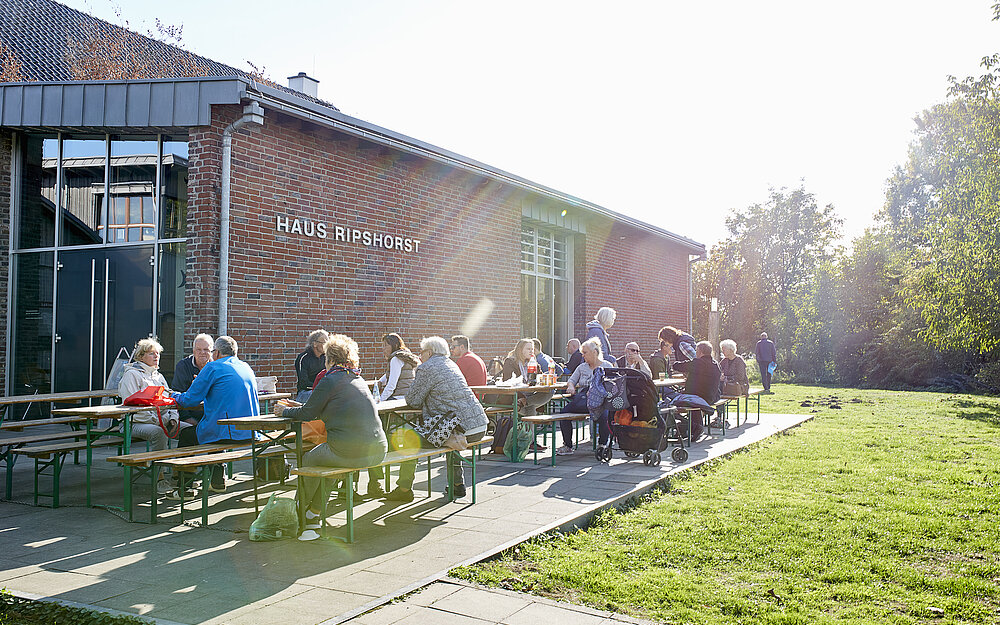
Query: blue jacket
[543, 364]
[765, 351]
[594, 328]
[228, 388]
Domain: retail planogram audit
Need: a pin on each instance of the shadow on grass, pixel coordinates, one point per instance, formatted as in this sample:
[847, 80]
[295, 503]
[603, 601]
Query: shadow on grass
[975, 410]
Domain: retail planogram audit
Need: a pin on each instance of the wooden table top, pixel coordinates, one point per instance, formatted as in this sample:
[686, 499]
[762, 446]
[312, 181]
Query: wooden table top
[105, 412]
[492, 389]
[272, 422]
[56, 397]
[669, 382]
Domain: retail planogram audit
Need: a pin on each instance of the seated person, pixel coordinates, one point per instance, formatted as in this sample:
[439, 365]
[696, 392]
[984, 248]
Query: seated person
[659, 361]
[439, 388]
[309, 363]
[734, 370]
[577, 388]
[229, 389]
[354, 434]
[633, 359]
[517, 364]
[574, 357]
[188, 369]
[143, 371]
[471, 365]
[397, 379]
[545, 362]
[703, 374]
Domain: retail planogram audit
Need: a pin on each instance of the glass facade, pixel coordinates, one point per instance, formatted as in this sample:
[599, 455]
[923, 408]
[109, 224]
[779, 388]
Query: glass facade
[115, 272]
[546, 285]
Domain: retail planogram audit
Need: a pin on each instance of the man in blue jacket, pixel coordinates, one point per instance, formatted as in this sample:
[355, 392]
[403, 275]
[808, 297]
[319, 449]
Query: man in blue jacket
[229, 389]
[765, 354]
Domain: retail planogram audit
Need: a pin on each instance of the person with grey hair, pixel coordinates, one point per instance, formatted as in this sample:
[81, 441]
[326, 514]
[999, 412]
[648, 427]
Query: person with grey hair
[577, 387]
[602, 322]
[439, 388]
[633, 359]
[702, 373]
[188, 369]
[309, 363]
[143, 371]
[767, 356]
[228, 388]
[734, 370]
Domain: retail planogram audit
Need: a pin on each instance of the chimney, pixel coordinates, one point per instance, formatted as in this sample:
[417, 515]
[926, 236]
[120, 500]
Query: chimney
[303, 84]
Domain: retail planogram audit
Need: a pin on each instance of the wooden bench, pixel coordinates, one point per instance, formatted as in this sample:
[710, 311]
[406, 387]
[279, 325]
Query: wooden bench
[136, 465]
[391, 458]
[754, 392]
[720, 409]
[53, 457]
[204, 463]
[550, 421]
[8, 445]
[18, 426]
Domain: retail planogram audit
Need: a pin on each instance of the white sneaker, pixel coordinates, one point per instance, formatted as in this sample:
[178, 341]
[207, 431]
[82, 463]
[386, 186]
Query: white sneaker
[310, 515]
[308, 535]
[176, 495]
[564, 451]
[164, 486]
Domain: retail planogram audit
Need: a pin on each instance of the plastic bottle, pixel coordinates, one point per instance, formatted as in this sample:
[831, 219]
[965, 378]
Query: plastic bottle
[375, 392]
[532, 370]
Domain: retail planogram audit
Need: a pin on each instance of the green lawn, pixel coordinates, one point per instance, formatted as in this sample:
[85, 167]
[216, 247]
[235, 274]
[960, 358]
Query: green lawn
[884, 510]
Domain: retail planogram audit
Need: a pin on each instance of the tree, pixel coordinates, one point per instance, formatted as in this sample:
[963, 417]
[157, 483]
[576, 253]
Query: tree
[10, 67]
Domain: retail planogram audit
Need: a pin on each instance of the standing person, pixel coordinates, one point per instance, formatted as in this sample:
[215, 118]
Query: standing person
[354, 434]
[573, 356]
[188, 369]
[602, 322]
[577, 387]
[633, 359]
[144, 371]
[471, 365]
[397, 379]
[309, 363]
[439, 388]
[229, 389]
[681, 342]
[765, 354]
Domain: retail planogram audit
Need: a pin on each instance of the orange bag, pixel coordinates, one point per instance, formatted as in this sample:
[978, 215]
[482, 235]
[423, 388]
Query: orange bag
[623, 417]
[314, 432]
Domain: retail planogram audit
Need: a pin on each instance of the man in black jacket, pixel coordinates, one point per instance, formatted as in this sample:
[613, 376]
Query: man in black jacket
[187, 370]
[765, 354]
[309, 363]
[703, 373]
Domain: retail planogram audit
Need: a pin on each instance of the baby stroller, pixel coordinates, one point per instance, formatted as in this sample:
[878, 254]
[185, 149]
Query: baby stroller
[632, 390]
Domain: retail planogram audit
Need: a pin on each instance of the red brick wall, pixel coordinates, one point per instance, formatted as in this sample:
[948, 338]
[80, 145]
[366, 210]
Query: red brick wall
[6, 139]
[282, 286]
[642, 276]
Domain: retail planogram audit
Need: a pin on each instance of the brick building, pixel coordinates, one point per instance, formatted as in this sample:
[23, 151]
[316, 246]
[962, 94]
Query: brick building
[215, 203]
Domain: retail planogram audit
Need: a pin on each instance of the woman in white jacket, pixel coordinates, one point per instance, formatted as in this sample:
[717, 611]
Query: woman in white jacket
[143, 371]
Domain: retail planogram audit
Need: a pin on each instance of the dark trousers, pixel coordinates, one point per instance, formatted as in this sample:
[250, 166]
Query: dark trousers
[577, 404]
[765, 375]
[189, 438]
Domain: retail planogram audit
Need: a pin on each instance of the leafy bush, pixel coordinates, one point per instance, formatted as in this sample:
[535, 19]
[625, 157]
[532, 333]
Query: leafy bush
[17, 611]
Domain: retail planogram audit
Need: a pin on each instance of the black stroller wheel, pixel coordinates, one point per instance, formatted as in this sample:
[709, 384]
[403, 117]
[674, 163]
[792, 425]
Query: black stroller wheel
[607, 454]
[631, 454]
[656, 458]
[647, 458]
[679, 454]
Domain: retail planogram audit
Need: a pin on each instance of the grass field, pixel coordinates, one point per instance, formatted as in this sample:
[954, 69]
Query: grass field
[883, 509]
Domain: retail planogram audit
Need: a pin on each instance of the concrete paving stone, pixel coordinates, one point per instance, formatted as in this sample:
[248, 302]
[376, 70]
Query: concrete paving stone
[72, 586]
[391, 613]
[482, 604]
[361, 582]
[430, 615]
[14, 571]
[429, 594]
[535, 613]
[312, 606]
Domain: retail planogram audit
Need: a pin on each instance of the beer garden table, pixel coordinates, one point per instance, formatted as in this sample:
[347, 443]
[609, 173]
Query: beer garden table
[512, 392]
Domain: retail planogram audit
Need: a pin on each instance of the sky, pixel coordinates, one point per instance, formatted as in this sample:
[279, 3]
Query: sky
[675, 113]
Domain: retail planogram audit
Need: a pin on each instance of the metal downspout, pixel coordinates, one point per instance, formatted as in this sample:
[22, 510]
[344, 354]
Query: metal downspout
[252, 114]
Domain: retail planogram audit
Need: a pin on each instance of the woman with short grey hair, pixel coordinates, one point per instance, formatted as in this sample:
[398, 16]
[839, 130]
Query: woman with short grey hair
[439, 388]
[734, 379]
[598, 328]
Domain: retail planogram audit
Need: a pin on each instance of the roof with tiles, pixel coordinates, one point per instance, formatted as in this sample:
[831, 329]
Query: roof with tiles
[44, 36]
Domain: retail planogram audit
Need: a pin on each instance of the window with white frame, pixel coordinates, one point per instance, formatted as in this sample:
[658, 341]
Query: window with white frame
[546, 286]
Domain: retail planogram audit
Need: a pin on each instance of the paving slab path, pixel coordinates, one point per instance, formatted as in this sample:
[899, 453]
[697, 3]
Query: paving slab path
[183, 573]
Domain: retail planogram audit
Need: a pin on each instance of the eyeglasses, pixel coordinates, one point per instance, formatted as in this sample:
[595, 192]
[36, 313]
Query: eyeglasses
[634, 351]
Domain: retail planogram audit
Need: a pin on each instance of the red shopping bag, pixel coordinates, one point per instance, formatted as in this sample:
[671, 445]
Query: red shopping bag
[155, 396]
